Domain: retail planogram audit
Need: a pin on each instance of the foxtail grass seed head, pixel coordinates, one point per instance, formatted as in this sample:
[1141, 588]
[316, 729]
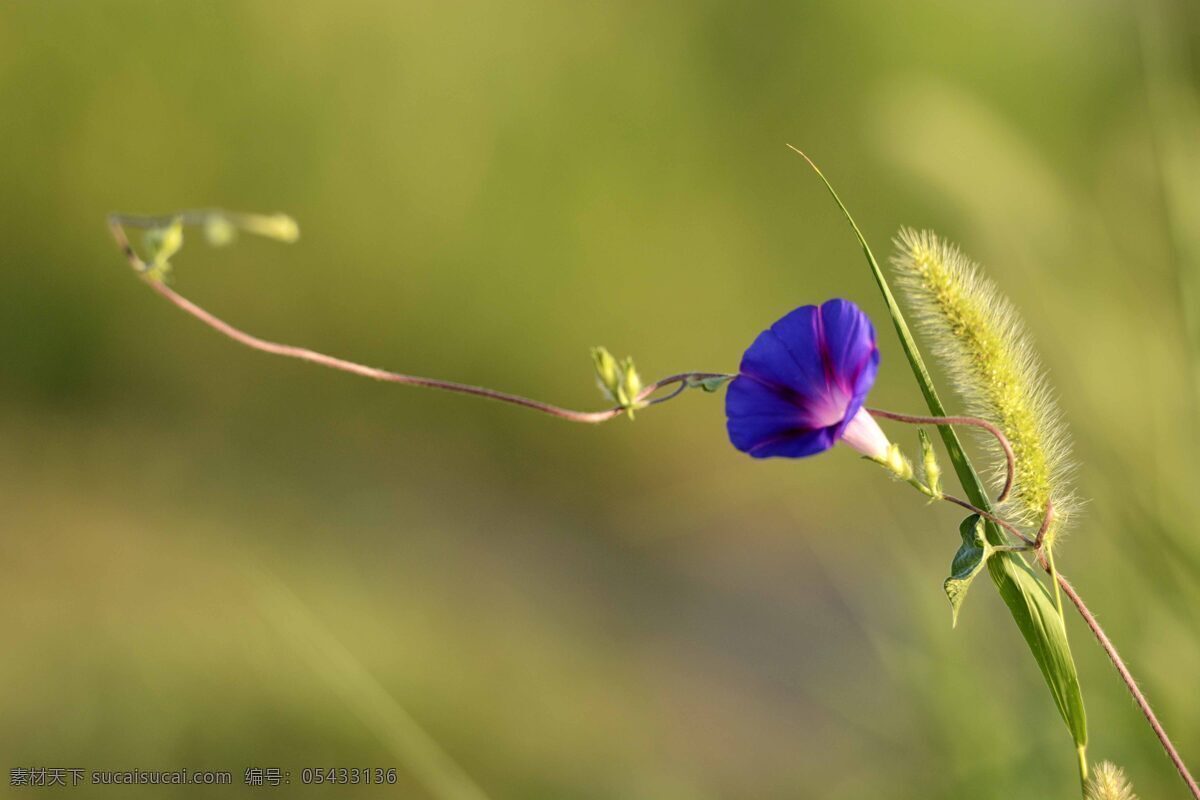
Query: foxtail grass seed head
[982, 342]
[1108, 782]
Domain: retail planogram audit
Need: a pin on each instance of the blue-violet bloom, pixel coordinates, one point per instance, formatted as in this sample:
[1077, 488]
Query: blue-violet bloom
[802, 384]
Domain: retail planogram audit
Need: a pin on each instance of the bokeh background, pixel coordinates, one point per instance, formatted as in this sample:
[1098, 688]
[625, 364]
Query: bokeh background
[214, 559]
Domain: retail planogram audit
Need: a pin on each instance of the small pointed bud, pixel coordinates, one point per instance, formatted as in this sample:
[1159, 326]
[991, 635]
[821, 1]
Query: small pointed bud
[272, 226]
[608, 373]
[929, 463]
[619, 380]
[219, 231]
[897, 463]
[631, 386]
[161, 244]
[864, 435]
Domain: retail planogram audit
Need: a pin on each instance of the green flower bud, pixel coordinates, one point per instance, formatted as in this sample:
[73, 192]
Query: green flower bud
[272, 226]
[608, 373]
[219, 231]
[161, 244]
[631, 386]
[929, 463]
[619, 380]
[898, 463]
[895, 462]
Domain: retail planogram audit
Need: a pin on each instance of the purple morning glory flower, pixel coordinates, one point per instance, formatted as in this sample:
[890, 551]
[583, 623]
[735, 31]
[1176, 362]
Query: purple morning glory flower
[802, 384]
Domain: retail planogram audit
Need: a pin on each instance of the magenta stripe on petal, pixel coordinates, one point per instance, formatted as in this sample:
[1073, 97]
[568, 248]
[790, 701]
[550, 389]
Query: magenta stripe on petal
[802, 381]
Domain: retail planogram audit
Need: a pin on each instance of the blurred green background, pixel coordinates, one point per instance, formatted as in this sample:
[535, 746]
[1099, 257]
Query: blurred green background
[214, 559]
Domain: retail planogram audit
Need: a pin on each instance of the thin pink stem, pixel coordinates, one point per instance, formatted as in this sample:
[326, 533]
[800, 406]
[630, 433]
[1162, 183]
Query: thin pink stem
[995, 431]
[1045, 527]
[1003, 523]
[312, 356]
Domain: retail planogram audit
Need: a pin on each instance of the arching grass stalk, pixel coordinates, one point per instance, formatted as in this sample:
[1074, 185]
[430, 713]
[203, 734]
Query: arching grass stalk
[1008, 570]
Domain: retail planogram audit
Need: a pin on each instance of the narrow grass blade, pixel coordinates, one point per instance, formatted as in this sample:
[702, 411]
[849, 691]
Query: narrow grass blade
[1026, 597]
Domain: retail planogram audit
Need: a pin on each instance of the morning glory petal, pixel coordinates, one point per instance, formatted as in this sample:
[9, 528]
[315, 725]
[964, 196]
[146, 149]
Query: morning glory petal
[802, 381]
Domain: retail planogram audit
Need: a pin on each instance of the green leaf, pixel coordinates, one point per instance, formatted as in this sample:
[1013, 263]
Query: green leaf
[1026, 597]
[1032, 606]
[968, 562]
[709, 384]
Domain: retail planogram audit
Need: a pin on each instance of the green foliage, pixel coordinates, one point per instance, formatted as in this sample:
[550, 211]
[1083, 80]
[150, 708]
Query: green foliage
[161, 244]
[968, 562]
[1026, 598]
[709, 384]
[618, 380]
[474, 169]
[1033, 608]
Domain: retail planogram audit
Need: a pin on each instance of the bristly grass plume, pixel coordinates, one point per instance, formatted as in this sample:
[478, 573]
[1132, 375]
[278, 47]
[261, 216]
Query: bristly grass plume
[981, 340]
[1108, 782]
